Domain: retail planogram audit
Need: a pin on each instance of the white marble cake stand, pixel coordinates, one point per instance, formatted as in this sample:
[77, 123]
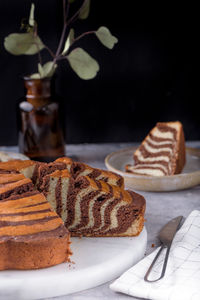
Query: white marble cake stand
[97, 260]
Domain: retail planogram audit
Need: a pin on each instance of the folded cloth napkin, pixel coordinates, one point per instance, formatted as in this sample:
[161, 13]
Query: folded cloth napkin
[182, 277]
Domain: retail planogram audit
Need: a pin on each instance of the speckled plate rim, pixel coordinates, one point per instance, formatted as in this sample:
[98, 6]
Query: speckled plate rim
[13, 155]
[155, 181]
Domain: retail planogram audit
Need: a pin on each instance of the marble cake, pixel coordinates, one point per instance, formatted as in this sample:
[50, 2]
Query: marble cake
[32, 235]
[162, 152]
[91, 202]
[78, 169]
[92, 207]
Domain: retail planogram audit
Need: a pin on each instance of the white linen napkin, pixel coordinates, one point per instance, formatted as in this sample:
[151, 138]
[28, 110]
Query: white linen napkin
[182, 277]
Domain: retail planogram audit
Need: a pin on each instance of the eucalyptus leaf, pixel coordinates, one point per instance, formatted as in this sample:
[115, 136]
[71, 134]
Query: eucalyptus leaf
[83, 64]
[105, 37]
[40, 70]
[85, 10]
[69, 41]
[35, 76]
[23, 43]
[31, 16]
[48, 69]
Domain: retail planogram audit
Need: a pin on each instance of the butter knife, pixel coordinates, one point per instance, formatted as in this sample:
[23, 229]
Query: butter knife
[166, 236]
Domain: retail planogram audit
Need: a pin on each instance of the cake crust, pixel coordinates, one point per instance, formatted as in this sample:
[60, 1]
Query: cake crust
[32, 236]
[35, 253]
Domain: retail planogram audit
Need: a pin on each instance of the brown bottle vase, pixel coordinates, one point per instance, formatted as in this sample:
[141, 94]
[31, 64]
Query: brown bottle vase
[40, 132]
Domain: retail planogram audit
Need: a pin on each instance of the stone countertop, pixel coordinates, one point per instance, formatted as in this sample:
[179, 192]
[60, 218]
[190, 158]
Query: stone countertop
[161, 207]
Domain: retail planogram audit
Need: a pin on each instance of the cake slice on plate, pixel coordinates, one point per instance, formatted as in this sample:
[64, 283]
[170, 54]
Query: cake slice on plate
[32, 235]
[162, 152]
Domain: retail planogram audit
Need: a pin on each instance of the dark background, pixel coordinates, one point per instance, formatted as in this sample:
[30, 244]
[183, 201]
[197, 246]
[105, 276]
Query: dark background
[148, 77]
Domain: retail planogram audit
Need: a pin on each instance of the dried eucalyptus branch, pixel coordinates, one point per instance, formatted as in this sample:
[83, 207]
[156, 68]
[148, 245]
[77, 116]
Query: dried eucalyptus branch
[82, 63]
[63, 31]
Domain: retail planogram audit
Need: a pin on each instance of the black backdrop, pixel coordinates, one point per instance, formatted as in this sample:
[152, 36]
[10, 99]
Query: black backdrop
[148, 77]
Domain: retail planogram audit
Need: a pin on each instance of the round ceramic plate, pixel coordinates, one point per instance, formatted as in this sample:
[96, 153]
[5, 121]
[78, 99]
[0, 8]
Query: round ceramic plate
[6, 155]
[96, 261]
[189, 177]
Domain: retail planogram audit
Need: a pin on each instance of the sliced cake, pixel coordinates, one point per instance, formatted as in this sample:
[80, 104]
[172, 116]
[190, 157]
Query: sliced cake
[78, 169]
[100, 209]
[45, 169]
[32, 236]
[13, 183]
[162, 152]
[93, 207]
[81, 169]
[69, 163]
[57, 187]
[91, 202]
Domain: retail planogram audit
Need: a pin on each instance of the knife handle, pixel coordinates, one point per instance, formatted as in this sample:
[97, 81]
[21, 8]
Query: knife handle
[154, 261]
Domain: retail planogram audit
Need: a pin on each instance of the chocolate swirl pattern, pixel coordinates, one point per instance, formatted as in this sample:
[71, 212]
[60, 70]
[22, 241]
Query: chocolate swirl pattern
[162, 152]
[90, 201]
[13, 183]
[32, 235]
[78, 169]
[93, 207]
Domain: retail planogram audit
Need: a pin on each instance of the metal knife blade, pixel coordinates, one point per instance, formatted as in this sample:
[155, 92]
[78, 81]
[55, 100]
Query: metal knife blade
[167, 233]
[166, 236]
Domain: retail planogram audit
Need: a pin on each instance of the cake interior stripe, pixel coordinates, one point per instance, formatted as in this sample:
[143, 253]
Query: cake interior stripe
[158, 142]
[64, 197]
[102, 213]
[150, 171]
[151, 149]
[163, 134]
[91, 219]
[152, 159]
[113, 215]
[77, 215]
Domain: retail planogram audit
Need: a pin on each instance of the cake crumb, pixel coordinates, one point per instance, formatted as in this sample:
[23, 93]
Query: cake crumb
[73, 262]
[153, 245]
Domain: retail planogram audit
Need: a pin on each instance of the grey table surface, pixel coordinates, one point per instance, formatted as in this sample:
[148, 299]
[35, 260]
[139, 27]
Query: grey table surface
[161, 207]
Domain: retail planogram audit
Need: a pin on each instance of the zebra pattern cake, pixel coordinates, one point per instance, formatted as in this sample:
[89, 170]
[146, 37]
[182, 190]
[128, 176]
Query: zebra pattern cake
[91, 201]
[32, 235]
[93, 207]
[162, 152]
[13, 183]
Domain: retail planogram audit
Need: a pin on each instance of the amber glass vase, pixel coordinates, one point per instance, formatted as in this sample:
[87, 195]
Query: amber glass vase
[40, 131]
